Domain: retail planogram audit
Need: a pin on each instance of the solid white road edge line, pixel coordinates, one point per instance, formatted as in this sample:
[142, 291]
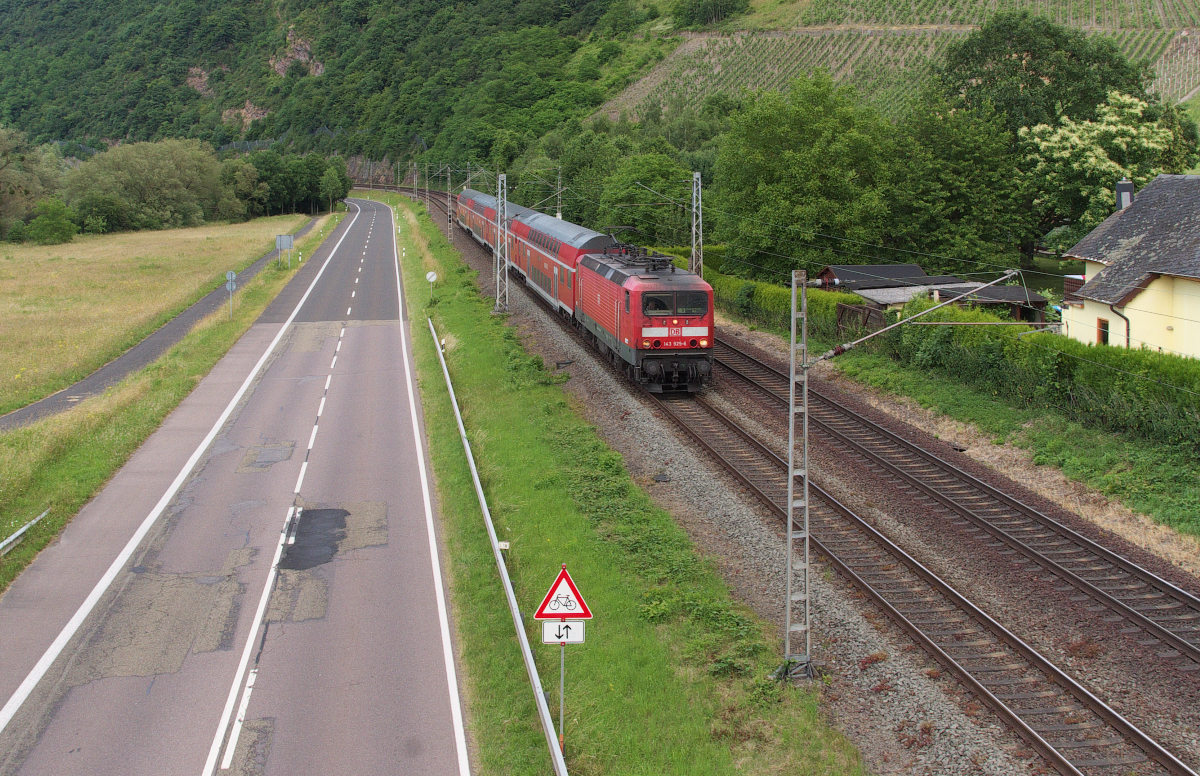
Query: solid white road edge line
[60, 642]
[460, 734]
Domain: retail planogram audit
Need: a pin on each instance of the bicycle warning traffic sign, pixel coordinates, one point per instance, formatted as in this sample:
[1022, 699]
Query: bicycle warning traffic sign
[563, 601]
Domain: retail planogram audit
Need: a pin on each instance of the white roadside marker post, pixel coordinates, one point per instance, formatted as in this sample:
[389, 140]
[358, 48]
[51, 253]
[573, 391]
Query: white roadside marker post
[230, 284]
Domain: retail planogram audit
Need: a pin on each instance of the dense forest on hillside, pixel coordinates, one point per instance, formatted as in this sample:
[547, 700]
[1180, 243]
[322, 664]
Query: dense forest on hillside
[349, 76]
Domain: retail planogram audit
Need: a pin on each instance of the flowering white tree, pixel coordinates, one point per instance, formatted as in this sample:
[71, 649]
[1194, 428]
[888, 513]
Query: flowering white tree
[1074, 167]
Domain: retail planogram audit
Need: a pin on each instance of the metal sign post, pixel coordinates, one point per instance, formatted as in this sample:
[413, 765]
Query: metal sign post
[284, 242]
[563, 603]
[501, 244]
[797, 654]
[231, 284]
[696, 264]
[431, 276]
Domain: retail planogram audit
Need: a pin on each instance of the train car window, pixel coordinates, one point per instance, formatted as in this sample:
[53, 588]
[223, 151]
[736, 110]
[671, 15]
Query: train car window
[658, 303]
[691, 302]
[626, 301]
[569, 274]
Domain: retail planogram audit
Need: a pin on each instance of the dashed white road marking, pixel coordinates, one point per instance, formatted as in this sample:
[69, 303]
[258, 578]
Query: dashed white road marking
[352, 293]
[338, 349]
[348, 310]
[331, 363]
[300, 479]
[327, 379]
[313, 437]
[322, 407]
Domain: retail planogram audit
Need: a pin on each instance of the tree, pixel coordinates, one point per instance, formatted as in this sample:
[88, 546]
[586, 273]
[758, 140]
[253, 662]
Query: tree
[798, 171]
[955, 188]
[55, 223]
[1034, 71]
[628, 200]
[1074, 167]
[331, 186]
[165, 184]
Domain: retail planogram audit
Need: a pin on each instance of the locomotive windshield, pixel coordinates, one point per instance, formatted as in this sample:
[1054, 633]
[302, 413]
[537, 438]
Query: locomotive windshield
[658, 304]
[691, 302]
[678, 303]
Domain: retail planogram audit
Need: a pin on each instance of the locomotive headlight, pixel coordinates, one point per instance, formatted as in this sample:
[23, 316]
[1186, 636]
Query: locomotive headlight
[674, 321]
[645, 343]
[703, 343]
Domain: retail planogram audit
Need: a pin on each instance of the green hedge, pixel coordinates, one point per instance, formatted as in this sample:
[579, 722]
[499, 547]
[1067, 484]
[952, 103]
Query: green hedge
[1135, 391]
[767, 303]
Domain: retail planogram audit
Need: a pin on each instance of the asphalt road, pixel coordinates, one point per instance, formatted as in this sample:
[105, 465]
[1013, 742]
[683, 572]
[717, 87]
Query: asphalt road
[297, 556]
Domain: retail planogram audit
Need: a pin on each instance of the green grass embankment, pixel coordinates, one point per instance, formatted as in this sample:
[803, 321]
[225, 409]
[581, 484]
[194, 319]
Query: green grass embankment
[674, 677]
[62, 461]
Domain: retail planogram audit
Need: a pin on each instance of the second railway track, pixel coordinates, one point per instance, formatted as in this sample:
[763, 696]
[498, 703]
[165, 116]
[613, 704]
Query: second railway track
[1151, 603]
[1072, 729]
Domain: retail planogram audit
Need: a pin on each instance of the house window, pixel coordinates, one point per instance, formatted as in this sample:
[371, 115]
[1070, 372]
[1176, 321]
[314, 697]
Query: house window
[1101, 331]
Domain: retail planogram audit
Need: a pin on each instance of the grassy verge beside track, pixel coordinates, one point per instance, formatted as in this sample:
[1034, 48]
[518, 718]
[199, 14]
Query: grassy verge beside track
[70, 309]
[674, 677]
[62, 461]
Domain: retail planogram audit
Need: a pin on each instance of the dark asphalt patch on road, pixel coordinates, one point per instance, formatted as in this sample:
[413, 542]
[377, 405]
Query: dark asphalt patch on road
[317, 537]
[140, 355]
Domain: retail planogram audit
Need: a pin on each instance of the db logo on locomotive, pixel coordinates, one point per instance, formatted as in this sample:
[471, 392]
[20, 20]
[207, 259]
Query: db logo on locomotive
[675, 332]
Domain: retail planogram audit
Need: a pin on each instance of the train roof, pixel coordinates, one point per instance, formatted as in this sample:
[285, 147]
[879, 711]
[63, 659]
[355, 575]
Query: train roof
[565, 232]
[617, 270]
[482, 201]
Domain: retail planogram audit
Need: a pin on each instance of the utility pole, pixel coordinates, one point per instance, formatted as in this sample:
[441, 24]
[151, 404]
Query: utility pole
[501, 243]
[797, 653]
[426, 186]
[696, 264]
[558, 195]
[449, 208]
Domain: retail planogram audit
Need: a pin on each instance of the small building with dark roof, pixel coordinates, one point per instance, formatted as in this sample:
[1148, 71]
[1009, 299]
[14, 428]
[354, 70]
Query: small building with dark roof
[1142, 278]
[886, 286]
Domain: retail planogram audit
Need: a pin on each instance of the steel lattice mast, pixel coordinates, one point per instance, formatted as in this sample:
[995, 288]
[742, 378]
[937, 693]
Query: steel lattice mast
[797, 635]
[501, 244]
[696, 263]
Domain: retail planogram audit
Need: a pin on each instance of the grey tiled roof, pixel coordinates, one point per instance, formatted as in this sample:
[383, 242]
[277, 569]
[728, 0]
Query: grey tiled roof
[1159, 234]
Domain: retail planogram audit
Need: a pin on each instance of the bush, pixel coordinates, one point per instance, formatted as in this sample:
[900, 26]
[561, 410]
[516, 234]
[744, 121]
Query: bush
[17, 232]
[1131, 391]
[700, 12]
[55, 223]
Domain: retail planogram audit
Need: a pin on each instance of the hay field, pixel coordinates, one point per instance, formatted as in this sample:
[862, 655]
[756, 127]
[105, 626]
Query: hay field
[66, 310]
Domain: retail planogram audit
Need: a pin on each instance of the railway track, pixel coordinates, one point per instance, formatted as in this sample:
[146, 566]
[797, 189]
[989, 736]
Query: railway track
[1143, 599]
[1074, 731]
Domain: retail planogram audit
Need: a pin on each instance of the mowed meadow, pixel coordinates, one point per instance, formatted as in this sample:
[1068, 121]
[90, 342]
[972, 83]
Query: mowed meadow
[66, 310]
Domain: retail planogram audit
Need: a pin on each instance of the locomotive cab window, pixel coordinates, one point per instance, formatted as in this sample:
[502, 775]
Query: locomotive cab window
[658, 303]
[691, 302]
[626, 301]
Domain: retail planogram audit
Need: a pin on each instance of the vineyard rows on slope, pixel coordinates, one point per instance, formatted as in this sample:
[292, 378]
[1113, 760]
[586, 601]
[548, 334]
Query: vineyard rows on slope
[1088, 14]
[886, 66]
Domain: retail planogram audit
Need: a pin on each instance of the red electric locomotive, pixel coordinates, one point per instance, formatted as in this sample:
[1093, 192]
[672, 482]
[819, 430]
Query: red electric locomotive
[634, 305]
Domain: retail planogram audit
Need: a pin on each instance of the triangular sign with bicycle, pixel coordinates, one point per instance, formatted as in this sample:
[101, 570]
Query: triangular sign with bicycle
[563, 601]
